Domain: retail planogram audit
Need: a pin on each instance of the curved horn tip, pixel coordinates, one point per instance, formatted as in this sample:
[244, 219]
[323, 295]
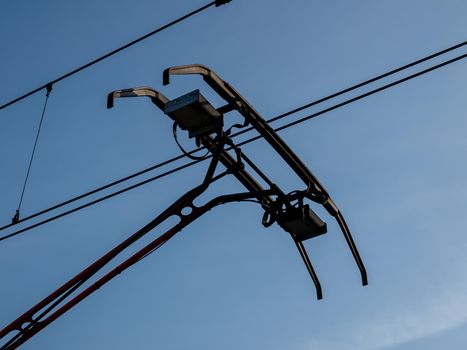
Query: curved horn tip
[319, 294]
[364, 279]
[166, 77]
[110, 100]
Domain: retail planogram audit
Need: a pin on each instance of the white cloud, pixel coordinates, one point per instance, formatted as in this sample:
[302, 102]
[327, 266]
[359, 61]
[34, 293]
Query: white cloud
[401, 326]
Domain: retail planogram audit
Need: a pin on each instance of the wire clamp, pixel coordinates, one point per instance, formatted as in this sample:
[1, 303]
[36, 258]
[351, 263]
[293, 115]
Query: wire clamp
[222, 2]
[15, 218]
[49, 89]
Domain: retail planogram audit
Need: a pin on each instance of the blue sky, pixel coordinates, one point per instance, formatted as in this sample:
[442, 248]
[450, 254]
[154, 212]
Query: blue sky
[394, 163]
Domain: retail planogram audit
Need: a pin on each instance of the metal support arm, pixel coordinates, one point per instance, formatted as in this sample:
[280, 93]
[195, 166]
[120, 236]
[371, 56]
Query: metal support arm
[36, 326]
[237, 169]
[31, 321]
[56, 304]
[317, 192]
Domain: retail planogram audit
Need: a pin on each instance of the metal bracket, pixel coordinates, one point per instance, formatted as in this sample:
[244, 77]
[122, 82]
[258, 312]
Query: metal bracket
[316, 191]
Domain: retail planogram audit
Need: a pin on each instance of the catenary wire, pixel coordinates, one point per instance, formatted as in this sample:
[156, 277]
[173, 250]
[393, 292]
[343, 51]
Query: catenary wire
[281, 116]
[99, 189]
[339, 105]
[53, 218]
[109, 54]
[359, 97]
[359, 85]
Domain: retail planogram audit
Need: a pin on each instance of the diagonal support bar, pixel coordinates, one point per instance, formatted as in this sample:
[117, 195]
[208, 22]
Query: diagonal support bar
[36, 327]
[28, 321]
[208, 142]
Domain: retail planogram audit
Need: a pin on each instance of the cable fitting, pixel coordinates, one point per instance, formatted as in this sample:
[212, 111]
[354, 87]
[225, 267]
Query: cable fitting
[49, 89]
[222, 2]
[15, 218]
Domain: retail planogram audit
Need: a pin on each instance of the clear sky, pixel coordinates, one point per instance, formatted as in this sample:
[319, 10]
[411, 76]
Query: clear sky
[395, 163]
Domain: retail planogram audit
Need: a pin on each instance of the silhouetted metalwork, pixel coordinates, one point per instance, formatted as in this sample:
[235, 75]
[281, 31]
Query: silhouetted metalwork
[204, 123]
[242, 131]
[314, 190]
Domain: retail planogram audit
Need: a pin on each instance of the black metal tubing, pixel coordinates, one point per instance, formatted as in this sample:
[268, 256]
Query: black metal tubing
[311, 271]
[253, 117]
[317, 192]
[30, 323]
[33, 326]
[231, 164]
[51, 301]
[156, 97]
[255, 187]
[227, 108]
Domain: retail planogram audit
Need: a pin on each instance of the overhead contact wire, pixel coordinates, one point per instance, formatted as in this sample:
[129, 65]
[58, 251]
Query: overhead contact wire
[339, 105]
[313, 103]
[97, 60]
[53, 218]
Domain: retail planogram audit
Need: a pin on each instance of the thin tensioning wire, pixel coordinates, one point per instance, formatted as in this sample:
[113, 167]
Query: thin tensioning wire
[31, 159]
[281, 116]
[326, 110]
[113, 194]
